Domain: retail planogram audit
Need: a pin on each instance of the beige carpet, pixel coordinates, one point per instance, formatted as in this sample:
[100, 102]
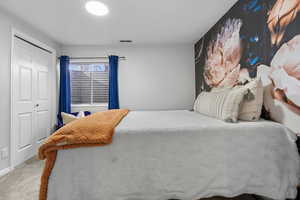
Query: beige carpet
[23, 183]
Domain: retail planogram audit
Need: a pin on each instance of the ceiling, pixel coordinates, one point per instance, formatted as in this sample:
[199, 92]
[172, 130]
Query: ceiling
[143, 21]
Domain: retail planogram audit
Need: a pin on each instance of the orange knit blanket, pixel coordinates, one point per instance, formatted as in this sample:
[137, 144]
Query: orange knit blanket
[94, 130]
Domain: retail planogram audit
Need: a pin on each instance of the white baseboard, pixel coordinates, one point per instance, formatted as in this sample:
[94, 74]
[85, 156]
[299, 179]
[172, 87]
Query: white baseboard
[5, 171]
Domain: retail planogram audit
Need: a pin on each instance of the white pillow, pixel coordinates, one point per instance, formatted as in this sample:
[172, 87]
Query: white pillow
[251, 108]
[67, 118]
[223, 104]
[80, 114]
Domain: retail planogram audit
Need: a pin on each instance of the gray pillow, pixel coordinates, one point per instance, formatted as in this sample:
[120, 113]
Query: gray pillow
[251, 107]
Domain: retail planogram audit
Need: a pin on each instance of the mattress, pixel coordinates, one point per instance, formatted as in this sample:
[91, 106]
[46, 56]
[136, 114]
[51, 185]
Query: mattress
[158, 155]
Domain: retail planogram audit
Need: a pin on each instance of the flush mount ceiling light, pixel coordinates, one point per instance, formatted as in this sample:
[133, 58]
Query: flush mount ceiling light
[96, 8]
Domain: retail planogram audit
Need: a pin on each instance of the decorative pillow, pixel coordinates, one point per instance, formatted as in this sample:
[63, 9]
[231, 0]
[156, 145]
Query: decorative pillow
[67, 118]
[80, 114]
[251, 107]
[223, 104]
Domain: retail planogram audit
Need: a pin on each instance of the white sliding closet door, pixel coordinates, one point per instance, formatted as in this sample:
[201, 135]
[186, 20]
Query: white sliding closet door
[31, 103]
[42, 63]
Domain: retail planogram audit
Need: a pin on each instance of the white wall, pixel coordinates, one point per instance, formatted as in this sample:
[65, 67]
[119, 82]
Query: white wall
[151, 77]
[7, 22]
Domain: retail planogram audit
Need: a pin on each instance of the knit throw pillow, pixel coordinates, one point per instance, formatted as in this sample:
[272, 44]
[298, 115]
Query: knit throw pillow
[222, 104]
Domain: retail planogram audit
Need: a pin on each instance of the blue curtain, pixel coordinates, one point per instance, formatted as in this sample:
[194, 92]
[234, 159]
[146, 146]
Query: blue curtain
[65, 85]
[113, 101]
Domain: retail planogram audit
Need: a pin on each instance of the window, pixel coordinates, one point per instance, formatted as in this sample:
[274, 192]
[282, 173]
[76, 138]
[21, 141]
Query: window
[89, 83]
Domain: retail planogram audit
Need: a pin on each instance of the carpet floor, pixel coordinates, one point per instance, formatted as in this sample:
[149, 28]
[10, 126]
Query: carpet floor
[23, 183]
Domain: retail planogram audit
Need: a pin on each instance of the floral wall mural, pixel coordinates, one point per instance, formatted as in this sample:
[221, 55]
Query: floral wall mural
[256, 38]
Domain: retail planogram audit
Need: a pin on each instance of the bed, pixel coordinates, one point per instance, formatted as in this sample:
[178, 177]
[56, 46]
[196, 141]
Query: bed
[160, 155]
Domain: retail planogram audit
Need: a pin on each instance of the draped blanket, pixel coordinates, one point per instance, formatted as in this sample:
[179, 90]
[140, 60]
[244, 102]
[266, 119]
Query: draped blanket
[93, 130]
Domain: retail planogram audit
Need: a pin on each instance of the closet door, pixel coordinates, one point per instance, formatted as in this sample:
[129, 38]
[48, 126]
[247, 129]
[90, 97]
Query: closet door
[30, 100]
[42, 62]
[23, 115]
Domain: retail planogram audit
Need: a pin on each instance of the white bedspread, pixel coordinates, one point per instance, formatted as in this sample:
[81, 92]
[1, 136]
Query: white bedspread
[181, 155]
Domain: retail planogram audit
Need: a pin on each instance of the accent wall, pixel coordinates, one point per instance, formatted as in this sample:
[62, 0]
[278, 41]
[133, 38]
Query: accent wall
[256, 38]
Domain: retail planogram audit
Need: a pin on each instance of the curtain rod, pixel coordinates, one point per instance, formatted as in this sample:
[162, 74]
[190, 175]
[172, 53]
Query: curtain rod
[103, 57]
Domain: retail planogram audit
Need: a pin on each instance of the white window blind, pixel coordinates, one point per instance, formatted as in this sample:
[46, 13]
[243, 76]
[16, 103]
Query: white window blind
[89, 83]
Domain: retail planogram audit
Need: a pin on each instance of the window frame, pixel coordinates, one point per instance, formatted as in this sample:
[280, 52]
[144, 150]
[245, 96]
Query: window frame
[92, 104]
